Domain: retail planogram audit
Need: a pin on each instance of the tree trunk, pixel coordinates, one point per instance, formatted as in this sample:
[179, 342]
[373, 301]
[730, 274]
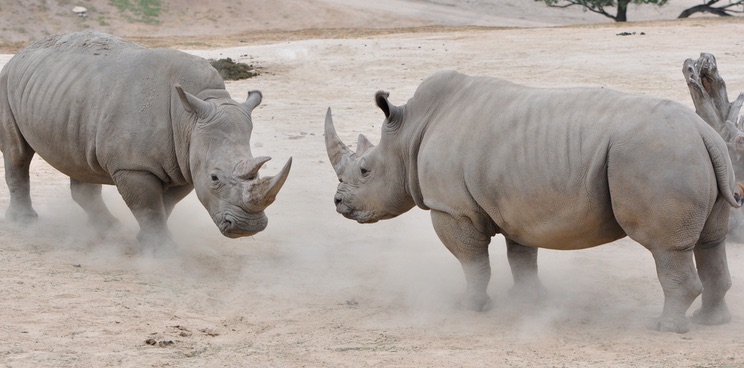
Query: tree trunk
[708, 91]
[622, 11]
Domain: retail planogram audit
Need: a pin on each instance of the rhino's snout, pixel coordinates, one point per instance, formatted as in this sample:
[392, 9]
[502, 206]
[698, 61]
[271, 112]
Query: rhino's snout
[342, 207]
[362, 217]
[234, 227]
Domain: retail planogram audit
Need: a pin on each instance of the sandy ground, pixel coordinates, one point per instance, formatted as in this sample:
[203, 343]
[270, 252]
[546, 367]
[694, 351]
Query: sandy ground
[315, 289]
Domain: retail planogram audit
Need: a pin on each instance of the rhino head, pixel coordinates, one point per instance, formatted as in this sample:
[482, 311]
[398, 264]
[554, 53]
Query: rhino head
[223, 170]
[372, 181]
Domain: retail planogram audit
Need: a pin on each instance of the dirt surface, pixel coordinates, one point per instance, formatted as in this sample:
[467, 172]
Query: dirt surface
[315, 289]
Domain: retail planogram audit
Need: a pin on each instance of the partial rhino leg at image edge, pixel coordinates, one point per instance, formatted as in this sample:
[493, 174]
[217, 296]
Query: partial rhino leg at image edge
[19, 186]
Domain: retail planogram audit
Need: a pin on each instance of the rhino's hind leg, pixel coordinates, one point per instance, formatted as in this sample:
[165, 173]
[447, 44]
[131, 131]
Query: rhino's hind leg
[523, 263]
[713, 270]
[681, 286]
[470, 247]
[88, 196]
[17, 164]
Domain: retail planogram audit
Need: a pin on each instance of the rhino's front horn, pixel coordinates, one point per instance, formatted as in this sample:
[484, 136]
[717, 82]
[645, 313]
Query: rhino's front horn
[263, 192]
[338, 152]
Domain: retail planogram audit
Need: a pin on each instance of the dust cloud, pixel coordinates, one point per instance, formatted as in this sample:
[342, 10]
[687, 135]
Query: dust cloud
[398, 265]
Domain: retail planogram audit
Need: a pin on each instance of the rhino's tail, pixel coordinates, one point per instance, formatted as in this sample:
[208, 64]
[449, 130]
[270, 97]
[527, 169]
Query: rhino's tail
[724, 171]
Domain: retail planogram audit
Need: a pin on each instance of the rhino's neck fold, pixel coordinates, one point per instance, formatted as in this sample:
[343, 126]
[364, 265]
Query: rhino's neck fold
[183, 127]
[416, 130]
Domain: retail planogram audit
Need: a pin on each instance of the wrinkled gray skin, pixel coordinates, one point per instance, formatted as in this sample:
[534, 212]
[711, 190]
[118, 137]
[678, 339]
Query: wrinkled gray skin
[155, 123]
[550, 168]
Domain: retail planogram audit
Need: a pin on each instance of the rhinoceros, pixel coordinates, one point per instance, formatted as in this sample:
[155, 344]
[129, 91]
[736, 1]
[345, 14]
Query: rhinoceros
[550, 168]
[157, 123]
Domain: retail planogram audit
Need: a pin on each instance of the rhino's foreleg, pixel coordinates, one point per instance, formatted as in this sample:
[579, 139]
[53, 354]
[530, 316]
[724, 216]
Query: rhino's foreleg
[174, 195]
[470, 247]
[143, 194]
[17, 164]
[712, 268]
[680, 284]
[88, 196]
[523, 263]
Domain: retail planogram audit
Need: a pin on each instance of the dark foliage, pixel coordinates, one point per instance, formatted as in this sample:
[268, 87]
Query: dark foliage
[230, 70]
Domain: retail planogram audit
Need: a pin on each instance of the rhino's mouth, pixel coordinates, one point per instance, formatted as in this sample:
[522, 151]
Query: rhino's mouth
[362, 219]
[362, 216]
[366, 217]
[233, 226]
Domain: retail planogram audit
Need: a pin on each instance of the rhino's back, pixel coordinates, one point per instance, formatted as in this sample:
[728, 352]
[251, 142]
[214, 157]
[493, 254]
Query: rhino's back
[537, 160]
[91, 104]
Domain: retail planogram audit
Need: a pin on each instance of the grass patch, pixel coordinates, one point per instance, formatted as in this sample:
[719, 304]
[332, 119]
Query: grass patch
[230, 70]
[144, 11]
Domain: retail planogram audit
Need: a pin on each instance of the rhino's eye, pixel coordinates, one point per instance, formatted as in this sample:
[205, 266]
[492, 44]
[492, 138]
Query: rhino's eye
[214, 178]
[364, 171]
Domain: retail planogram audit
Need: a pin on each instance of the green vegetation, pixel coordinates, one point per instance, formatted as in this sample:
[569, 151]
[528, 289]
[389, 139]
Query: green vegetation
[230, 70]
[145, 11]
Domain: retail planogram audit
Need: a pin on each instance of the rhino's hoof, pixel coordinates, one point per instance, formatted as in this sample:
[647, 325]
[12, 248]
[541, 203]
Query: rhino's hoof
[712, 316]
[104, 224]
[477, 303]
[678, 325]
[25, 217]
[156, 242]
[528, 293]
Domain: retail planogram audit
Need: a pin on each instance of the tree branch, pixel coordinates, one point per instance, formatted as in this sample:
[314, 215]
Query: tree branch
[708, 7]
[594, 8]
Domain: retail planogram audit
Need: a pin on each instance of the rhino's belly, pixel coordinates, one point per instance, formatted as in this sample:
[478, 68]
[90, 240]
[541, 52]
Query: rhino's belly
[75, 166]
[563, 231]
[73, 158]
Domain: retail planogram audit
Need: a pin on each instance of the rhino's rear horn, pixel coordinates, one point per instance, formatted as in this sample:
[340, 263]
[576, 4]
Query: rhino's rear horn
[363, 144]
[263, 192]
[253, 100]
[248, 169]
[337, 151]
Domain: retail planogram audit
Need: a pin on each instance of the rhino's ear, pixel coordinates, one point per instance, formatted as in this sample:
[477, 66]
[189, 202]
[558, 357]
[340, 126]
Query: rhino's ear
[193, 104]
[253, 100]
[390, 110]
[363, 144]
[381, 98]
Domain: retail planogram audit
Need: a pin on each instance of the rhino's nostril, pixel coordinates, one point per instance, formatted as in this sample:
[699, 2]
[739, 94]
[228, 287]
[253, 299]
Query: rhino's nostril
[228, 222]
[336, 200]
